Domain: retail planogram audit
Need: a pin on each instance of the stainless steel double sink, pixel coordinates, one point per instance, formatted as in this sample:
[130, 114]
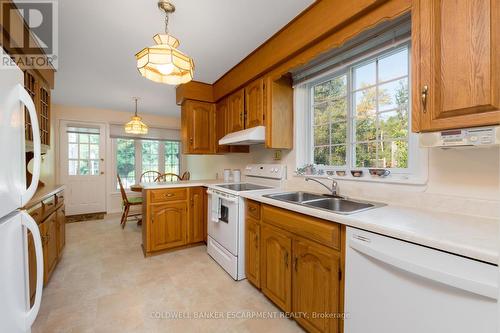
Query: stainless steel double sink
[334, 204]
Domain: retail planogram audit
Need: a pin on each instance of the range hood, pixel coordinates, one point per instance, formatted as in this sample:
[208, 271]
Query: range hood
[250, 136]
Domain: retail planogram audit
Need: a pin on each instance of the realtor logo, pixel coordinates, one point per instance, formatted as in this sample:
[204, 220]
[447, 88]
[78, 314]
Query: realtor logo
[30, 33]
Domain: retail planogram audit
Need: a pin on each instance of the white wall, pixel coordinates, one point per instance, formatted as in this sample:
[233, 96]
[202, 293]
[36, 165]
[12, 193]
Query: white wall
[106, 117]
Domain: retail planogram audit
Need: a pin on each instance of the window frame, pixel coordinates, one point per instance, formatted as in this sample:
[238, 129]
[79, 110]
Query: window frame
[138, 157]
[350, 139]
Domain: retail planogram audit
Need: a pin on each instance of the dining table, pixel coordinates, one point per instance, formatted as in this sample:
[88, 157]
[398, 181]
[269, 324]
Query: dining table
[136, 188]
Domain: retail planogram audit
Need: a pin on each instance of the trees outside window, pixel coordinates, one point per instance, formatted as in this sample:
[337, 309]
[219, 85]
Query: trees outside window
[360, 117]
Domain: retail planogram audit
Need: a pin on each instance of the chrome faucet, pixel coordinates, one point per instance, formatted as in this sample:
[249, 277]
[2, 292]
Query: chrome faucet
[334, 189]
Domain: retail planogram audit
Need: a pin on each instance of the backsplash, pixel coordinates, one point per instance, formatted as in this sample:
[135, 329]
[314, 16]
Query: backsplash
[460, 181]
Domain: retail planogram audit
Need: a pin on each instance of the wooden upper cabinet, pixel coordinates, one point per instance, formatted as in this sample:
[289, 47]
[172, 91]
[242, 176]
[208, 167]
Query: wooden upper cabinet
[316, 285]
[195, 232]
[198, 127]
[278, 101]
[254, 104]
[276, 262]
[40, 93]
[221, 122]
[168, 225]
[236, 117]
[456, 64]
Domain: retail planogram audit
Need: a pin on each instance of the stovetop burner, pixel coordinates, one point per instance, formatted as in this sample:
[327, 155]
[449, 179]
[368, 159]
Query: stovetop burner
[243, 187]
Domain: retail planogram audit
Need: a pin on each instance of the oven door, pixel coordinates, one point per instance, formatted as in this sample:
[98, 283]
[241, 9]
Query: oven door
[224, 229]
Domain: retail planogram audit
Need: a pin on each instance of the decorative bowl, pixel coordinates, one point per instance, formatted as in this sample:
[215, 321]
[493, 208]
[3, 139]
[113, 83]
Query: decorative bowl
[357, 173]
[379, 172]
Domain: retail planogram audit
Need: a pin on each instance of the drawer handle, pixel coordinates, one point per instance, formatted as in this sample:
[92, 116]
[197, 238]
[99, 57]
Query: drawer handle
[252, 209]
[169, 195]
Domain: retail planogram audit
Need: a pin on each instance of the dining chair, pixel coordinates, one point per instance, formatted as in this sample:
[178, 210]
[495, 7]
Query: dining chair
[186, 175]
[168, 177]
[149, 176]
[127, 203]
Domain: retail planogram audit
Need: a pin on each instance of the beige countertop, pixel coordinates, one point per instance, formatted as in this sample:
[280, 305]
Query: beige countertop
[43, 193]
[183, 183]
[468, 236]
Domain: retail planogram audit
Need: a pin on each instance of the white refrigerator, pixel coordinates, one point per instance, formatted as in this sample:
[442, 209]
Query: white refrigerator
[16, 315]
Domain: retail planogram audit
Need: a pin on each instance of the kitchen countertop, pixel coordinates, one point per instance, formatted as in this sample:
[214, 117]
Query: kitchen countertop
[183, 183]
[43, 193]
[468, 236]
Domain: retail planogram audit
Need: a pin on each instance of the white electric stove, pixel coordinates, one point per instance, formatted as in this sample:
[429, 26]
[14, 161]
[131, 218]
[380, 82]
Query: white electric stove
[226, 215]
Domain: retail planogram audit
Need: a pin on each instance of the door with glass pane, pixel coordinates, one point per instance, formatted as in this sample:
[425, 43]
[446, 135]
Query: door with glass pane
[82, 157]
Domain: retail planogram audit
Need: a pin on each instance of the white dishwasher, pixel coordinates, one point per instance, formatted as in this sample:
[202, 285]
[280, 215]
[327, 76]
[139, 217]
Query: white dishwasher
[392, 286]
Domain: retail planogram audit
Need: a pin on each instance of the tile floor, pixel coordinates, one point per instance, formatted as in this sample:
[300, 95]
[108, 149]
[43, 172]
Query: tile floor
[104, 284]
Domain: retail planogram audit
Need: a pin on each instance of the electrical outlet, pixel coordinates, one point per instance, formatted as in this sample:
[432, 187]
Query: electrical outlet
[277, 155]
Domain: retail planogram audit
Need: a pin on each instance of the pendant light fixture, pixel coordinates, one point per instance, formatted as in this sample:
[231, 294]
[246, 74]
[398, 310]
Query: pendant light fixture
[136, 126]
[163, 62]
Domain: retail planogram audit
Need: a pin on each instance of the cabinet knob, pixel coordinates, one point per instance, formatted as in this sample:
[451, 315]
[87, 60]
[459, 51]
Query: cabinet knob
[191, 140]
[425, 93]
[286, 259]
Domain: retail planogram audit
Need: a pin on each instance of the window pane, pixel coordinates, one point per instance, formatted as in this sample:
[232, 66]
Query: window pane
[339, 133]
[94, 167]
[322, 135]
[393, 66]
[172, 157]
[393, 95]
[393, 125]
[94, 138]
[83, 167]
[364, 75]
[125, 161]
[365, 128]
[94, 151]
[72, 167]
[84, 151]
[72, 150]
[72, 137]
[84, 138]
[393, 154]
[338, 110]
[366, 102]
[338, 157]
[329, 90]
[150, 156]
[366, 155]
[321, 155]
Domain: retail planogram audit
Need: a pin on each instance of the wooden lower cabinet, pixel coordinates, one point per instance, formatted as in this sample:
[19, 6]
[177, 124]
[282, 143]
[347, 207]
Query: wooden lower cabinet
[316, 285]
[168, 225]
[195, 232]
[252, 251]
[294, 267]
[48, 231]
[276, 258]
[61, 229]
[173, 218]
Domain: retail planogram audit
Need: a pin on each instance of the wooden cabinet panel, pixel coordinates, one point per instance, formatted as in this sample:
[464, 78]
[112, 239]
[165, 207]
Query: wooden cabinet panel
[195, 232]
[252, 251]
[198, 127]
[456, 64]
[236, 119]
[254, 104]
[31, 267]
[168, 225]
[221, 122]
[321, 231]
[316, 285]
[48, 231]
[276, 256]
[253, 209]
[278, 101]
[171, 194]
[61, 230]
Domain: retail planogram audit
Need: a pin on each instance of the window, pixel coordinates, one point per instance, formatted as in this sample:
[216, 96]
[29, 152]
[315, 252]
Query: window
[134, 156]
[83, 151]
[360, 115]
[125, 161]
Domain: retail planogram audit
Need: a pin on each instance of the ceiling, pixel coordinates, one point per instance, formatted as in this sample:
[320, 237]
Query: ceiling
[98, 40]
